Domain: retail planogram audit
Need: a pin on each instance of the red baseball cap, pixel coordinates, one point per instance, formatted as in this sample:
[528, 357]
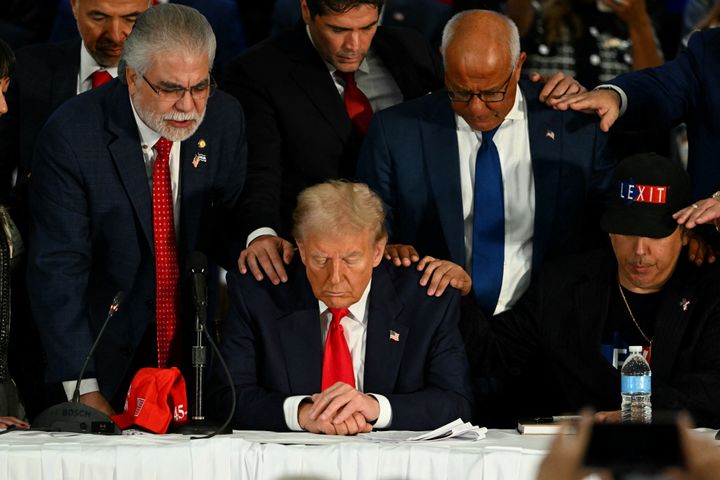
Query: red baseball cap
[156, 396]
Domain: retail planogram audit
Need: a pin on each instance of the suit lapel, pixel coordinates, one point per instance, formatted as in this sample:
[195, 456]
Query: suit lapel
[311, 75]
[127, 156]
[440, 151]
[194, 175]
[546, 139]
[302, 347]
[383, 354]
[404, 77]
[300, 336]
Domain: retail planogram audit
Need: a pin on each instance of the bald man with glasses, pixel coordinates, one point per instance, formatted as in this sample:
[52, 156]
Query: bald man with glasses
[482, 173]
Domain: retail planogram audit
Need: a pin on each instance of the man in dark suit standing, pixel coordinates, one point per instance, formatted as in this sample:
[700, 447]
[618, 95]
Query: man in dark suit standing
[392, 355]
[49, 74]
[489, 178]
[308, 95]
[129, 178]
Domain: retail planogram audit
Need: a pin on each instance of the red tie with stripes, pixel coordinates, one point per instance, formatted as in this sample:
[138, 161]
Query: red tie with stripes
[357, 104]
[99, 77]
[166, 263]
[337, 362]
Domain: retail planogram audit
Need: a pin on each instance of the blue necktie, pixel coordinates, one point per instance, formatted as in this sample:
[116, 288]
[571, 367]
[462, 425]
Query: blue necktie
[488, 249]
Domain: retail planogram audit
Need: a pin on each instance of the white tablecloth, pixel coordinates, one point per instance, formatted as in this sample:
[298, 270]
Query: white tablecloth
[504, 454]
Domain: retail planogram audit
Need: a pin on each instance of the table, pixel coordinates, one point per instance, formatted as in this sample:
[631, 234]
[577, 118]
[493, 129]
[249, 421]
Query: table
[503, 454]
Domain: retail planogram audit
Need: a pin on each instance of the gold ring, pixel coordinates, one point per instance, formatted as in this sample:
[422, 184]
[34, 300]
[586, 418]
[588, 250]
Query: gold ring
[695, 206]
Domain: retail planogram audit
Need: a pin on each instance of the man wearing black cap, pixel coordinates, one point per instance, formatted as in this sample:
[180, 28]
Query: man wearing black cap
[561, 347]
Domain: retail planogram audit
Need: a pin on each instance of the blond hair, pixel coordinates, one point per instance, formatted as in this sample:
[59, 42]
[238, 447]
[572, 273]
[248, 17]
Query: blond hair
[338, 205]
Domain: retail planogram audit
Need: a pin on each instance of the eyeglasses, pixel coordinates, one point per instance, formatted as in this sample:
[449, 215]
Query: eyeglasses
[201, 91]
[485, 96]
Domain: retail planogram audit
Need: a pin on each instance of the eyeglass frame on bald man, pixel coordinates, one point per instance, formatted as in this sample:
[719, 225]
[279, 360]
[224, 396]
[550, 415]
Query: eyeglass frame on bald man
[466, 97]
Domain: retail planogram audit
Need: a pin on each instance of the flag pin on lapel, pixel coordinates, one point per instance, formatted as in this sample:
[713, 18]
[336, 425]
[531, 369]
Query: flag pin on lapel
[394, 336]
[199, 157]
[550, 134]
[684, 303]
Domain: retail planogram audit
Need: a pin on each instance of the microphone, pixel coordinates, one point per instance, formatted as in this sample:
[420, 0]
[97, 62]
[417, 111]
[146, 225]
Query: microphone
[197, 264]
[74, 416]
[114, 307]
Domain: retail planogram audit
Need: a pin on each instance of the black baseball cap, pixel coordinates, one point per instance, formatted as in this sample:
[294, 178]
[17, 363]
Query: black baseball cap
[647, 190]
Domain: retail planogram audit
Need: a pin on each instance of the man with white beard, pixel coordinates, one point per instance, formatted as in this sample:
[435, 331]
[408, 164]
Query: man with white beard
[129, 178]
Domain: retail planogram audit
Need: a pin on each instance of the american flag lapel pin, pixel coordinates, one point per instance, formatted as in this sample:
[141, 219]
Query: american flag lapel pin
[394, 336]
[684, 304]
[199, 158]
[550, 134]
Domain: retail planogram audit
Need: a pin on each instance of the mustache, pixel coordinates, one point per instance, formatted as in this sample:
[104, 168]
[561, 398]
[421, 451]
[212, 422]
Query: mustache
[640, 262]
[181, 116]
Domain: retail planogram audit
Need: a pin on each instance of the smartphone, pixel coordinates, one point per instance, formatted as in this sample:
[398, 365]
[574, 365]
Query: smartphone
[634, 447]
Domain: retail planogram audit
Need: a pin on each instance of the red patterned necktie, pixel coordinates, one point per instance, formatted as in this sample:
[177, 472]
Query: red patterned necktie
[356, 103]
[99, 77]
[337, 363]
[166, 264]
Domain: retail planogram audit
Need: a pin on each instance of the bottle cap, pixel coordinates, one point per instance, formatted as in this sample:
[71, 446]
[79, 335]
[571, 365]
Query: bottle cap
[635, 349]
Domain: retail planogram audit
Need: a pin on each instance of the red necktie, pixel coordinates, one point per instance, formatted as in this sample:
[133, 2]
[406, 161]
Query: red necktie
[356, 103]
[166, 264]
[337, 363]
[99, 77]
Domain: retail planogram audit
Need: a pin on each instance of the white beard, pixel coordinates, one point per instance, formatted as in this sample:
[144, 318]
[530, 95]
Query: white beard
[157, 122]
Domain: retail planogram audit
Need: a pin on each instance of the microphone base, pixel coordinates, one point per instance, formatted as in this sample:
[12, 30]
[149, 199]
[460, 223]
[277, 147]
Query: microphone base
[200, 427]
[74, 417]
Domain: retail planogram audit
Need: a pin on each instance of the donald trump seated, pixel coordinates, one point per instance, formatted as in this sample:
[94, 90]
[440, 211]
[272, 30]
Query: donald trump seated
[350, 342]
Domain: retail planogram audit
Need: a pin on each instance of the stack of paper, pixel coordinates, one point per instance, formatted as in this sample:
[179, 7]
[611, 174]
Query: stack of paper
[456, 429]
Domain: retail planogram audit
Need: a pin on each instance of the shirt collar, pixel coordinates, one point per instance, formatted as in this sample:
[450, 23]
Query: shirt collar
[364, 67]
[517, 112]
[88, 65]
[148, 136]
[357, 310]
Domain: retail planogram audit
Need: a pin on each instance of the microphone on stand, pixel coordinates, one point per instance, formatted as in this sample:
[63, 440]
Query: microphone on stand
[74, 416]
[197, 266]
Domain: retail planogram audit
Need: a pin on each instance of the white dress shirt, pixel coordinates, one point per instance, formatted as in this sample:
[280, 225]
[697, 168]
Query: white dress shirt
[513, 144]
[148, 138]
[375, 81]
[88, 66]
[355, 330]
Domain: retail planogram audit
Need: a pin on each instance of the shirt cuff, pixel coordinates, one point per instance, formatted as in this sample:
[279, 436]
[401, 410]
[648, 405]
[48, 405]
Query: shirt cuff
[290, 408]
[87, 385]
[385, 416]
[619, 91]
[260, 232]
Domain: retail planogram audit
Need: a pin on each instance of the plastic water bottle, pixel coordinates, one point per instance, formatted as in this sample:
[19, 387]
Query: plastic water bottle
[636, 388]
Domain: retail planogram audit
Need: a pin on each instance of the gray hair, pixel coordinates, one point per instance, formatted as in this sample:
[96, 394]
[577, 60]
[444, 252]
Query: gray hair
[338, 205]
[513, 37]
[163, 28]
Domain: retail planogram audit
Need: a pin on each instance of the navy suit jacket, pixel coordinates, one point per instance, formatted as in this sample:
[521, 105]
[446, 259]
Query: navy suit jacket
[410, 158]
[273, 346]
[45, 77]
[92, 231]
[685, 89]
[299, 133]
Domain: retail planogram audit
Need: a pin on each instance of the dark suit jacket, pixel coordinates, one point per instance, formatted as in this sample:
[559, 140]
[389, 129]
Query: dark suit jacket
[686, 90]
[556, 329]
[92, 233]
[273, 346]
[299, 133]
[45, 77]
[410, 158]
